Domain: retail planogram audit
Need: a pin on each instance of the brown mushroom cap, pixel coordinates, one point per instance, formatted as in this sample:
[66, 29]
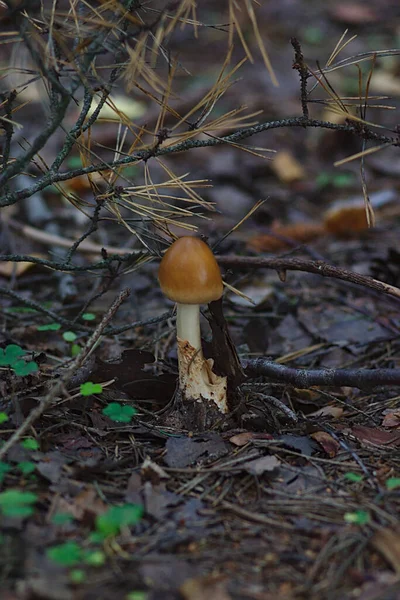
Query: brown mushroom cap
[189, 273]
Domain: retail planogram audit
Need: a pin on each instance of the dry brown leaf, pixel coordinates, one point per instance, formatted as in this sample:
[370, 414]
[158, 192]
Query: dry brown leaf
[328, 411]
[328, 443]
[282, 237]
[264, 464]
[375, 436]
[346, 220]
[287, 168]
[387, 541]
[10, 268]
[353, 13]
[205, 588]
[391, 419]
[241, 439]
[385, 82]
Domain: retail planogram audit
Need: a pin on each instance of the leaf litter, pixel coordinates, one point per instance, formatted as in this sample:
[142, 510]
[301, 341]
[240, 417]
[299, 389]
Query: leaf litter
[255, 512]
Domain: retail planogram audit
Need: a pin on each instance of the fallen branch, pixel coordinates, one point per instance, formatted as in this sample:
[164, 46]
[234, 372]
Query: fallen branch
[305, 378]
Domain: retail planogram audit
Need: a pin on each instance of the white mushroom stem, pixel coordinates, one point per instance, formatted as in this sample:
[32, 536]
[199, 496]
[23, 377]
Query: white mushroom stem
[196, 377]
[188, 324]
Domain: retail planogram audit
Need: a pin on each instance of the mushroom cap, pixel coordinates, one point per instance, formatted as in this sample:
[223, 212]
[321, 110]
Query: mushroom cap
[189, 273]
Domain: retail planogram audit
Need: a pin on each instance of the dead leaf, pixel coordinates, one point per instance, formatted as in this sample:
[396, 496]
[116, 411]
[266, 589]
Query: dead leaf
[265, 464]
[204, 588]
[387, 541]
[151, 471]
[387, 83]
[328, 443]
[302, 443]
[241, 439]
[353, 13]
[282, 237]
[85, 506]
[391, 419]
[346, 221]
[375, 436]
[119, 103]
[287, 168]
[183, 451]
[328, 411]
[10, 268]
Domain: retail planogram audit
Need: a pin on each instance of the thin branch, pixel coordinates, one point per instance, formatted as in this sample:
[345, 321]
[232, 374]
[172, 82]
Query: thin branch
[281, 265]
[233, 138]
[300, 66]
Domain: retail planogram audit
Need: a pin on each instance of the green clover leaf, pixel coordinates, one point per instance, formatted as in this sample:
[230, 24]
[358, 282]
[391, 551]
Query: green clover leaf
[88, 388]
[88, 316]
[393, 483]
[116, 517]
[62, 518]
[119, 413]
[4, 469]
[69, 336]
[10, 355]
[68, 554]
[3, 417]
[26, 467]
[353, 477]
[49, 327]
[14, 503]
[30, 444]
[22, 368]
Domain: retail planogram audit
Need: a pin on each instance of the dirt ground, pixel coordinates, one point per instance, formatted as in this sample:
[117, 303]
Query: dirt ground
[296, 495]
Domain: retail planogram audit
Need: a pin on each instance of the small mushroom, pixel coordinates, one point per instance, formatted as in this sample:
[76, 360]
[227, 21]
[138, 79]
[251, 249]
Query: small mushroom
[189, 275]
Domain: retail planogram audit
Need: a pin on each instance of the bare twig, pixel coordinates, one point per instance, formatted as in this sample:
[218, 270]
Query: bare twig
[281, 265]
[50, 178]
[302, 68]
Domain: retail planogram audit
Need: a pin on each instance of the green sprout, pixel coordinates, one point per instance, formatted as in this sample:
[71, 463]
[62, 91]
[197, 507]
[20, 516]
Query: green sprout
[70, 554]
[353, 477]
[393, 483]
[358, 517]
[77, 576]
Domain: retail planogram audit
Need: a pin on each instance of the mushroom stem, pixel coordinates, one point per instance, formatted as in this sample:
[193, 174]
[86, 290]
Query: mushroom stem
[188, 324]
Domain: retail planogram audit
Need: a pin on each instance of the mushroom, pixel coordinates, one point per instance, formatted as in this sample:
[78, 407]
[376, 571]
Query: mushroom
[189, 275]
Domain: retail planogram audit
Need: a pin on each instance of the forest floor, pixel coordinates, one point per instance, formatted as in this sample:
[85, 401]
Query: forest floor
[300, 497]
